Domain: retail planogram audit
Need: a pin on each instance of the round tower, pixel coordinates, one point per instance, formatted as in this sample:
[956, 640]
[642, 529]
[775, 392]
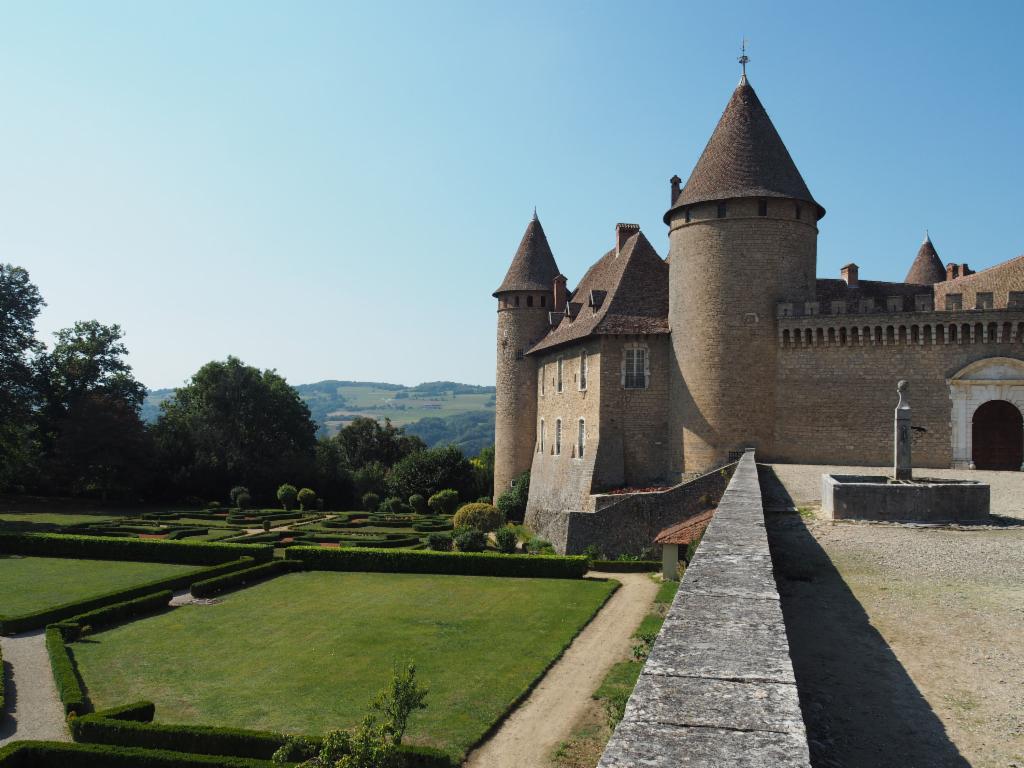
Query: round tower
[525, 298]
[742, 237]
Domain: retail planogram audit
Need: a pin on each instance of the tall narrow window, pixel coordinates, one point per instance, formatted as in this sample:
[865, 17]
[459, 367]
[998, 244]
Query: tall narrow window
[542, 435]
[634, 374]
[686, 213]
[583, 370]
[558, 437]
[762, 207]
[582, 439]
[721, 210]
[543, 301]
[558, 380]
[517, 301]
[529, 301]
[542, 381]
[798, 210]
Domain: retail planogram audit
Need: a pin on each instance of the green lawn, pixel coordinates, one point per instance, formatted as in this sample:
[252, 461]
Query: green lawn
[34, 583]
[306, 652]
[51, 518]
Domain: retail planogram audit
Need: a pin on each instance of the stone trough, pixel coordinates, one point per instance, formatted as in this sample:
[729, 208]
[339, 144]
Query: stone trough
[924, 500]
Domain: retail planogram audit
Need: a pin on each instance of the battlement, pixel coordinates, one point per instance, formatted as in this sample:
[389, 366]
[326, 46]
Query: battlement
[986, 326]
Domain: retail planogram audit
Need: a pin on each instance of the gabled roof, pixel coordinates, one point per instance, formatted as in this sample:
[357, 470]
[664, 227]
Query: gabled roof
[827, 289]
[927, 267]
[533, 267]
[634, 285]
[688, 531]
[744, 157]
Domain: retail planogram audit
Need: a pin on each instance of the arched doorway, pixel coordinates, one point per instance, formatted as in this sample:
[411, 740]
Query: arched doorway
[997, 436]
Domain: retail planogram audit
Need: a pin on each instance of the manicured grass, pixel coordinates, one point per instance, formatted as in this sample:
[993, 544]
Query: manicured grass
[667, 592]
[34, 583]
[51, 518]
[306, 652]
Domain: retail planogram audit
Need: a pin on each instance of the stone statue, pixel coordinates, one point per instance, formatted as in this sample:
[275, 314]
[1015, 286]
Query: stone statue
[902, 466]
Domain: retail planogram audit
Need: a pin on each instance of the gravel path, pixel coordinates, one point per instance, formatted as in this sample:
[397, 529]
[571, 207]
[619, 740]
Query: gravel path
[529, 735]
[33, 709]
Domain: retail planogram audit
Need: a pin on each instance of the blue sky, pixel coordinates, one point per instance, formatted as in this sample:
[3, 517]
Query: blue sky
[334, 189]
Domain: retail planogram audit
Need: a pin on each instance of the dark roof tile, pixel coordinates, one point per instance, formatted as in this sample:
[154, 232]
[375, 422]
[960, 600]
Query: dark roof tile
[533, 267]
[927, 267]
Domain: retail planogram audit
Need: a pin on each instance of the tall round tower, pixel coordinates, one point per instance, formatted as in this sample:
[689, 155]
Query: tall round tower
[525, 298]
[742, 237]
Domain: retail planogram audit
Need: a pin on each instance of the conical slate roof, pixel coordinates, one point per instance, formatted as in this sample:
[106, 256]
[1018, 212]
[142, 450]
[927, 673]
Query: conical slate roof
[927, 267]
[744, 157]
[533, 267]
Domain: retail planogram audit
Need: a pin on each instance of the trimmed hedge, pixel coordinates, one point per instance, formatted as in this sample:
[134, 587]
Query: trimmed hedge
[99, 728]
[65, 675]
[3, 684]
[426, 561]
[626, 566]
[117, 548]
[118, 612]
[242, 578]
[55, 754]
[40, 618]
[140, 711]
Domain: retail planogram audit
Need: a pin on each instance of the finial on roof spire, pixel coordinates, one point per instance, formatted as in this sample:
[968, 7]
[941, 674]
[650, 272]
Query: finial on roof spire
[535, 213]
[927, 237]
[743, 59]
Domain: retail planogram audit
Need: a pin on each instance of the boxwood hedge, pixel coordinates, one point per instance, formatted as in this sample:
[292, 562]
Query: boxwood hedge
[65, 675]
[118, 612]
[626, 566]
[244, 577]
[54, 754]
[118, 548]
[425, 561]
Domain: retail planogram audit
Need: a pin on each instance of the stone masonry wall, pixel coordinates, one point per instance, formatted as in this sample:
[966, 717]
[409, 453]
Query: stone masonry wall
[718, 688]
[999, 280]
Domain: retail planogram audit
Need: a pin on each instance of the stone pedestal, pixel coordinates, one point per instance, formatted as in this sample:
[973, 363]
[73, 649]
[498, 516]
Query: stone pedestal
[902, 466]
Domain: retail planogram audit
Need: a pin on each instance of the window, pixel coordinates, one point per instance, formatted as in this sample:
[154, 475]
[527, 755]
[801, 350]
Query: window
[1016, 300]
[519, 353]
[543, 301]
[783, 309]
[867, 305]
[762, 207]
[894, 303]
[558, 437]
[529, 301]
[721, 210]
[924, 302]
[542, 381]
[686, 214]
[583, 371]
[558, 378]
[542, 435]
[581, 439]
[634, 368]
[954, 301]
[798, 211]
[517, 301]
[983, 301]
[811, 308]
[838, 307]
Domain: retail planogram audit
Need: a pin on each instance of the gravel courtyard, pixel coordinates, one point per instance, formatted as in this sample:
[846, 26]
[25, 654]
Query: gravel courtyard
[908, 642]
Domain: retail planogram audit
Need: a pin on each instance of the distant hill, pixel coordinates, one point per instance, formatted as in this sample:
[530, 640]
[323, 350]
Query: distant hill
[441, 412]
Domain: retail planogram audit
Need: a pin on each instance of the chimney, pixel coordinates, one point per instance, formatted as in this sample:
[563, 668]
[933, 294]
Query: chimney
[965, 270]
[952, 271]
[622, 233]
[849, 274]
[675, 181]
[559, 291]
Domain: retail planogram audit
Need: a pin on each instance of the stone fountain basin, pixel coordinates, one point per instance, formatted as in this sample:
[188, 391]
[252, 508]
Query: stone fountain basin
[922, 500]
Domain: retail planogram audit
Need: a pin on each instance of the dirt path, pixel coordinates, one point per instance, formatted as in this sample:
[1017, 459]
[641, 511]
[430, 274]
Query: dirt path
[33, 709]
[530, 734]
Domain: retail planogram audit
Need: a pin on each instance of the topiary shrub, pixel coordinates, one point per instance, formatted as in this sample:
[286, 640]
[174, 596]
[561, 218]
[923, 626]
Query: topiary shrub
[370, 501]
[418, 504]
[470, 540]
[392, 506]
[213, 505]
[266, 525]
[482, 517]
[243, 500]
[440, 542]
[287, 494]
[237, 491]
[506, 539]
[444, 502]
[307, 499]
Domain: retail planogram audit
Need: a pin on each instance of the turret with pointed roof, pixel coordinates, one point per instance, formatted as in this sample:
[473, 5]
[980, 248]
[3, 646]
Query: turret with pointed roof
[533, 267]
[927, 268]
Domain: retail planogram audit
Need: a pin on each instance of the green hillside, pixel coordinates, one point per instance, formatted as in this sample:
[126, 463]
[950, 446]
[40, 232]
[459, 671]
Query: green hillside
[440, 412]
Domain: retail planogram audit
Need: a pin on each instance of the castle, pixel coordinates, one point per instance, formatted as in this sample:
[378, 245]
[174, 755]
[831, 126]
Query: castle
[653, 371]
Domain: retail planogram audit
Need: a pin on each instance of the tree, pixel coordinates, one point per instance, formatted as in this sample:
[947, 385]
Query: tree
[307, 499]
[234, 422]
[20, 303]
[444, 502]
[483, 470]
[286, 495]
[427, 472]
[513, 501]
[237, 491]
[365, 440]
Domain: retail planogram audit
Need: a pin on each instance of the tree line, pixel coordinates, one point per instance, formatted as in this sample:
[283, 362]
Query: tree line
[70, 425]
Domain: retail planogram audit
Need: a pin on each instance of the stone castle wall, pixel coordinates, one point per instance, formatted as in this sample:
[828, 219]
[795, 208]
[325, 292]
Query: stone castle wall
[725, 277]
[999, 281]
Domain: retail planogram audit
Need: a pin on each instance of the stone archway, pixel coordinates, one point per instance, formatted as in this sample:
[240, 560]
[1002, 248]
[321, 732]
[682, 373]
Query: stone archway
[970, 389]
[997, 436]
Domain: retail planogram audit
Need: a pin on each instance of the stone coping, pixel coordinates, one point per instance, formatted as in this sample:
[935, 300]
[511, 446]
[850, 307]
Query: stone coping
[718, 688]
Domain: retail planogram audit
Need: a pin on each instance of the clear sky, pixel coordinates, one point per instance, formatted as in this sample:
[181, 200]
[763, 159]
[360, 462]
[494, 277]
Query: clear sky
[335, 189]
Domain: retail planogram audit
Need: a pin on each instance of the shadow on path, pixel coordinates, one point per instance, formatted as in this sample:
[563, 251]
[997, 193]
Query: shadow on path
[861, 708]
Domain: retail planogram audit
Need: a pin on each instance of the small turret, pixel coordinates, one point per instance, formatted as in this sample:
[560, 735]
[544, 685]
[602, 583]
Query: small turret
[927, 267]
[525, 297]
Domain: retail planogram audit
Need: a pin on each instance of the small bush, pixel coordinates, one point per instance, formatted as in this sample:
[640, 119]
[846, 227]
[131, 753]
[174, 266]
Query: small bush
[539, 546]
[213, 505]
[470, 540]
[506, 539]
[286, 494]
[444, 502]
[440, 542]
[482, 517]
[243, 500]
[235, 492]
[370, 501]
[307, 499]
[392, 506]
[418, 504]
[266, 525]
[512, 502]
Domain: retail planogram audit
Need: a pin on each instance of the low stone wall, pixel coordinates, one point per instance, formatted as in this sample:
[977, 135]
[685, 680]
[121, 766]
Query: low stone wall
[628, 524]
[876, 497]
[718, 688]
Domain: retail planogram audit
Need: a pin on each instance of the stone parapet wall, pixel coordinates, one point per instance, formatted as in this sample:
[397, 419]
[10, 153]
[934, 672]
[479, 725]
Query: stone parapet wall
[718, 688]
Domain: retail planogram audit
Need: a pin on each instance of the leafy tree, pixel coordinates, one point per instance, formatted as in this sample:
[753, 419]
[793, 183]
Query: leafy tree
[365, 440]
[237, 491]
[307, 499]
[444, 502]
[233, 420]
[370, 478]
[430, 471]
[483, 471]
[513, 501]
[243, 500]
[333, 477]
[286, 495]
[20, 303]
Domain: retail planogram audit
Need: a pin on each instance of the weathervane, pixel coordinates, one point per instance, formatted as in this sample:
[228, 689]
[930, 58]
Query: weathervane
[743, 59]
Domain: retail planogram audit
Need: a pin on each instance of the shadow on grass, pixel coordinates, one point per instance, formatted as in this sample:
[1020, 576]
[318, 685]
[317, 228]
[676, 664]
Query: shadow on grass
[861, 708]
